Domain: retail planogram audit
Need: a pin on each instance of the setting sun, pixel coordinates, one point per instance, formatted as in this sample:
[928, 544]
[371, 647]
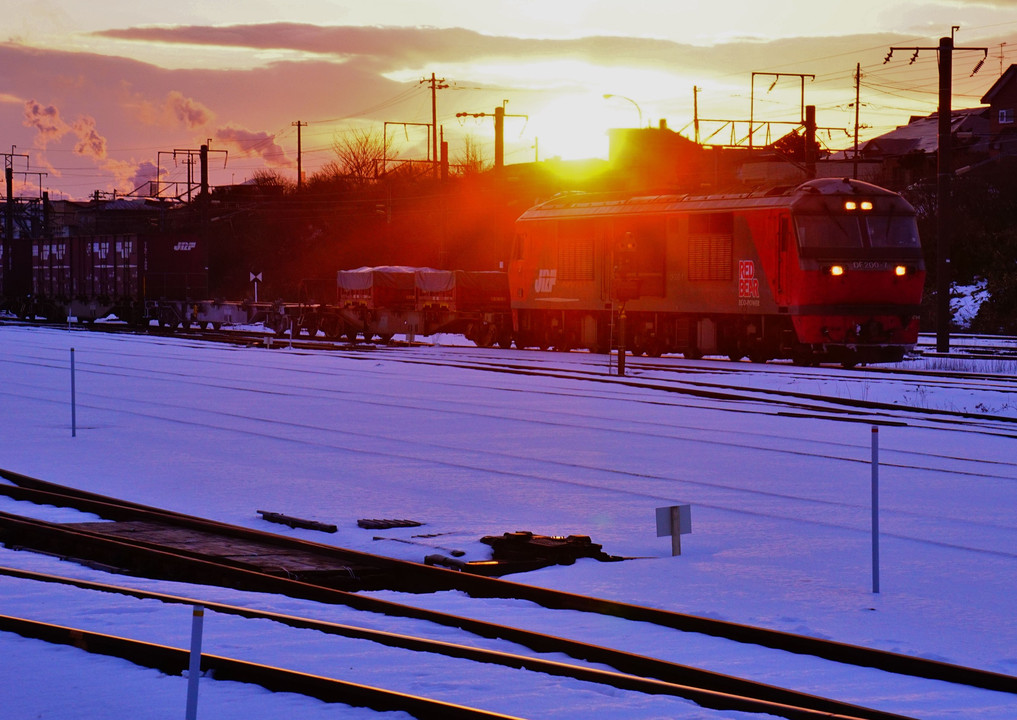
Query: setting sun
[575, 127]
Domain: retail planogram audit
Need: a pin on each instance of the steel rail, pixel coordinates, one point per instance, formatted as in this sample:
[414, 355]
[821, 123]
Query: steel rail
[705, 688]
[186, 568]
[174, 661]
[205, 571]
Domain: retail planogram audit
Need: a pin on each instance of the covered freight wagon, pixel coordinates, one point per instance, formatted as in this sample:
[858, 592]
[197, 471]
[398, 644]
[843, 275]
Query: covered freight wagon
[96, 276]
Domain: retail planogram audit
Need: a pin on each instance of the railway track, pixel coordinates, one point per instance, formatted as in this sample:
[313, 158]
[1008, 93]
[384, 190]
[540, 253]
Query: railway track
[328, 586]
[687, 683]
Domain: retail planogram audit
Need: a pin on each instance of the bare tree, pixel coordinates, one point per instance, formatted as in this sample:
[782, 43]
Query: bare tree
[266, 177]
[359, 154]
[471, 160]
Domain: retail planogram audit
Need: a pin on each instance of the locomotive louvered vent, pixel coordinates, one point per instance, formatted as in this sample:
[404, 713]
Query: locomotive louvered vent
[710, 246]
[576, 250]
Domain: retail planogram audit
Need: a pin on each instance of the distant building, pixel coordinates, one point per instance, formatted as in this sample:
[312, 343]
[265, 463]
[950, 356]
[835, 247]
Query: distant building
[1002, 101]
[909, 153]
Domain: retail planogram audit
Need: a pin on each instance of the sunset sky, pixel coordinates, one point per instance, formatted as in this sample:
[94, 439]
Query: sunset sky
[99, 95]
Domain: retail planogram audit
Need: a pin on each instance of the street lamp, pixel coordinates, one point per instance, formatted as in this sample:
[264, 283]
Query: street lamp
[608, 96]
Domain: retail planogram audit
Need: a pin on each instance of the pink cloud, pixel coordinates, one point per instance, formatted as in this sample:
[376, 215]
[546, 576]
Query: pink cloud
[90, 142]
[187, 110]
[254, 144]
[145, 176]
[46, 121]
[50, 127]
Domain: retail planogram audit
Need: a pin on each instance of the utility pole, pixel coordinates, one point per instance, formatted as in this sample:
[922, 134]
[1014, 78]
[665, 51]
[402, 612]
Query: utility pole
[944, 177]
[695, 110]
[202, 153]
[17, 256]
[810, 141]
[858, 92]
[300, 170]
[436, 85]
[499, 131]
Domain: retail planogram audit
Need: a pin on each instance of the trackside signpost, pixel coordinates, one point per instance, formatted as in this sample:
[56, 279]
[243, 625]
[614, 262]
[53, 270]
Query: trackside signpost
[674, 520]
[256, 278]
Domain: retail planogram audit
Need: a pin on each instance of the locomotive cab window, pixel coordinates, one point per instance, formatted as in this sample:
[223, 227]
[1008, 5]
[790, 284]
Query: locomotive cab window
[892, 232]
[829, 231]
[851, 228]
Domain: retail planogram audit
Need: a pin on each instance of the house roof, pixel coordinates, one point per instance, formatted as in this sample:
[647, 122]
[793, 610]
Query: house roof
[922, 133]
[1005, 79]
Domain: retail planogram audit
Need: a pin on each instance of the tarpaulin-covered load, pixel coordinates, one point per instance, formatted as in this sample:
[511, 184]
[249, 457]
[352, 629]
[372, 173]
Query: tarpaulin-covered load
[436, 289]
[398, 288]
[384, 287]
[481, 291]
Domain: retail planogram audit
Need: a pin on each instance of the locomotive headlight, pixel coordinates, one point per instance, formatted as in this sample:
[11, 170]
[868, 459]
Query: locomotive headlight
[866, 205]
[850, 205]
[900, 270]
[836, 270]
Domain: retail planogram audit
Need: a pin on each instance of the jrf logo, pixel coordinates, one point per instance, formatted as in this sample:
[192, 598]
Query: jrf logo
[185, 246]
[545, 281]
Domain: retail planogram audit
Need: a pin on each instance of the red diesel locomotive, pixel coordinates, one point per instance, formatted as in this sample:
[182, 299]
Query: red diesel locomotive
[830, 270]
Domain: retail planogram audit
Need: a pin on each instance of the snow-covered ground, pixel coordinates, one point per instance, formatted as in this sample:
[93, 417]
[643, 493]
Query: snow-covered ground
[780, 505]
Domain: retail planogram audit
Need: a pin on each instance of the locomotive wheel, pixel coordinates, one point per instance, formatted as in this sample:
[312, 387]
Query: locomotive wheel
[565, 343]
[804, 359]
[693, 353]
[485, 336]
[331, 327]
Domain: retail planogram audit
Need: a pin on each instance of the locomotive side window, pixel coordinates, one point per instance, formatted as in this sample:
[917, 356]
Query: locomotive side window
[517, 246]
[711, 238]
[645, 238]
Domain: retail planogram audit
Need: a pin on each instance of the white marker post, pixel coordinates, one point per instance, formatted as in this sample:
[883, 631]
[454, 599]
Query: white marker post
[675, 521]
[875, 509]
[74, 408]
[194, 669]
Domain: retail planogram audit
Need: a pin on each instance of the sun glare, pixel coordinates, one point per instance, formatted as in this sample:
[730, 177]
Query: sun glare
[574, 127]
